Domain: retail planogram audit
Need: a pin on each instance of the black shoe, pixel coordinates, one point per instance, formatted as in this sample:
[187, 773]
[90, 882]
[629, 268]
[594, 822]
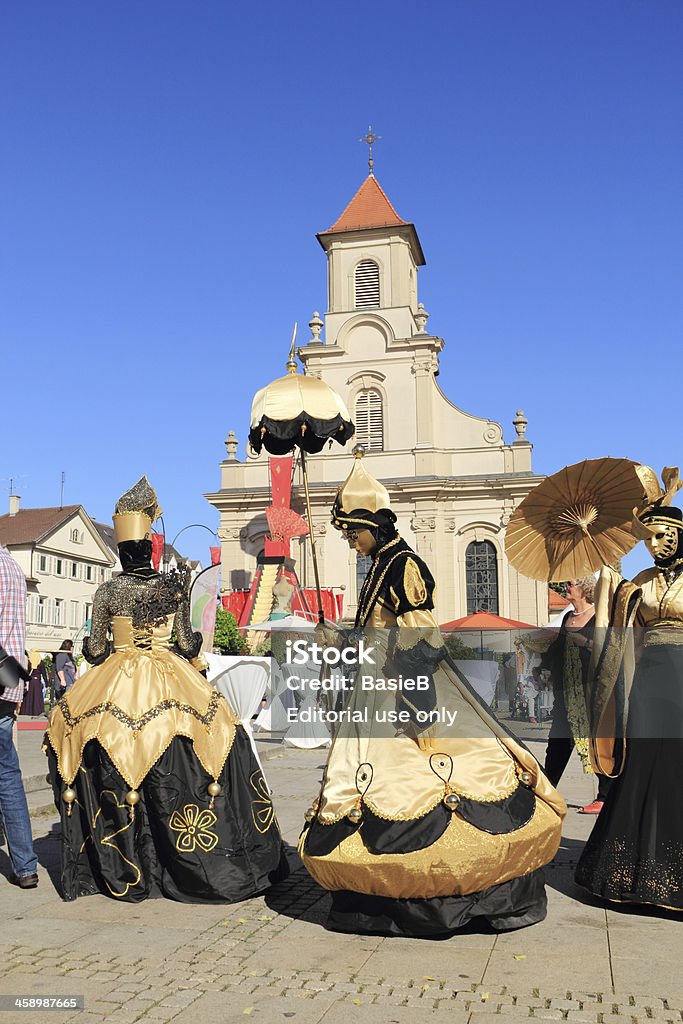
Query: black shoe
[24, 881]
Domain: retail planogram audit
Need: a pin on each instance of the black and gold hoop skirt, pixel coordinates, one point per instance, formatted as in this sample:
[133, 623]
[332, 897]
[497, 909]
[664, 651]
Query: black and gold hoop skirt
[158, 788]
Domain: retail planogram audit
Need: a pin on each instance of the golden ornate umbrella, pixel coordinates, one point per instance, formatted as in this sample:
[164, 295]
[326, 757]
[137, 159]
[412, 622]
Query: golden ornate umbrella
[577, 520]
[298, 411]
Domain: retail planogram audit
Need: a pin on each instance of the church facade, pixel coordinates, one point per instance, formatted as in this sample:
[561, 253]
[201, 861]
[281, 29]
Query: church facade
[453, 479]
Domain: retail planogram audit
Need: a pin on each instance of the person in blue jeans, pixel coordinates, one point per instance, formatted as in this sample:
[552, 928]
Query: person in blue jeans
[13, 805]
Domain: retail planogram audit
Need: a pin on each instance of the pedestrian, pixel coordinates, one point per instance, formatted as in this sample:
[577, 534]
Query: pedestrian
[13, 805]
[568, 659]
[34, 699]
[65, 669]
[534, 685]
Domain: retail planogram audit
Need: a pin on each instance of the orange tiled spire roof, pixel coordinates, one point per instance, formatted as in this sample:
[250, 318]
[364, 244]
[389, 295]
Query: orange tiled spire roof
[369, 208]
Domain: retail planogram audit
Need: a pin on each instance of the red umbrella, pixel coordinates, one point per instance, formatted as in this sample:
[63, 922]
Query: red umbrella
[498, 628]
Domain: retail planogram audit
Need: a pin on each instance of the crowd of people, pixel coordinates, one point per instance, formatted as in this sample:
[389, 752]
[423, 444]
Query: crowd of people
[418, 827]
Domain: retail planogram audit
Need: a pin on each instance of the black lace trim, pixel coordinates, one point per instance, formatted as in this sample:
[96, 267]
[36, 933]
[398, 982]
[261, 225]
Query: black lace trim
[96, 659]
[190, 652]
[161, 599]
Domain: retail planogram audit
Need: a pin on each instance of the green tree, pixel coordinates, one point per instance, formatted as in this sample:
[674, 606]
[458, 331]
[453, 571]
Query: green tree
[457, 649]
[227, 637]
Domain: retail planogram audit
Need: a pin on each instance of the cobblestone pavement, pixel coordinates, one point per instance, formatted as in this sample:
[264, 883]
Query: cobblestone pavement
[269, 959]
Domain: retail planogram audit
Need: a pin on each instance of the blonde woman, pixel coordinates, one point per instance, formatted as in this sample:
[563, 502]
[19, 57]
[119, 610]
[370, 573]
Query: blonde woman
[568, 659]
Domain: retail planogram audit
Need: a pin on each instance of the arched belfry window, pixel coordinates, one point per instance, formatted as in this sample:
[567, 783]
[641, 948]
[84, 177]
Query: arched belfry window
[369, 420]
[481, 573]
[367, 285]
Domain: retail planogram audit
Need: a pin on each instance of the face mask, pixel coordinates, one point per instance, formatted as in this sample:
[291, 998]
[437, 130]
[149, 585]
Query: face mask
[663, 544]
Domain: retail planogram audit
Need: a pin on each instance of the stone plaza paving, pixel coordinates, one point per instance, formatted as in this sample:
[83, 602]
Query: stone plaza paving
[270, 959]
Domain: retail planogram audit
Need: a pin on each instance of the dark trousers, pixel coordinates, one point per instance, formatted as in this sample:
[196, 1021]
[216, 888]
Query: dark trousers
[557, 755]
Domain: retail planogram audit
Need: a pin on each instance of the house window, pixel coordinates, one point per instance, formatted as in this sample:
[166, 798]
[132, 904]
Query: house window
[40, 609]
[88, 616]
[42, 563]
[75, 536]
[481, 573]
[101, 575]
[367, 285]
[74, 570]
[363, 563]
[89, 574]
[75, 619]
[59, 612]
[370, 420]
[59, 566]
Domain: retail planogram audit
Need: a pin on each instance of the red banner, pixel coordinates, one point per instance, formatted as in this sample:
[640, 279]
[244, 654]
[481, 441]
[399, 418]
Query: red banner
[235, 602]
[157, 549]
[215, 556]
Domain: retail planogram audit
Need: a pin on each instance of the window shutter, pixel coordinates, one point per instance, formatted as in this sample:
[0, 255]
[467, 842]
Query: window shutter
[370, 421]
[367, 285]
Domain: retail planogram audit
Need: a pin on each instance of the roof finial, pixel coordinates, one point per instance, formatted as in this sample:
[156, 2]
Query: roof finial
[370, 139]
[291, 362]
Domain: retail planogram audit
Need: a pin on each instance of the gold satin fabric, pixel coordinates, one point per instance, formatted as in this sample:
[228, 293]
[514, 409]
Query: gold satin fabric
[289, 396]
[135, 703]
[481, 762]
[655, 606]
[462, 861]
[360, 490]
[660, 604]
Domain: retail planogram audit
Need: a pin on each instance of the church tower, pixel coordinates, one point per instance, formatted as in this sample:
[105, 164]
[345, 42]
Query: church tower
[453, 480]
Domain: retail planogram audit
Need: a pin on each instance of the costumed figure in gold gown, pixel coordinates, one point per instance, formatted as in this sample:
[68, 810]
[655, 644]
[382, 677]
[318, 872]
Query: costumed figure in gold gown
[430, 812]
[158, 788]
[635, 851]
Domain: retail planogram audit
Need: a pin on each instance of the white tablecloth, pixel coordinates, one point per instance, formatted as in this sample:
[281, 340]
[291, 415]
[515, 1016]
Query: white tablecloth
[303, 734]
[482, 676]
[243, 681]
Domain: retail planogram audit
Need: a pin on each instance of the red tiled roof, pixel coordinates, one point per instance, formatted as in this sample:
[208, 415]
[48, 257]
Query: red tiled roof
[556, 603]
[369, 208]
[30, 525]
[485, 620]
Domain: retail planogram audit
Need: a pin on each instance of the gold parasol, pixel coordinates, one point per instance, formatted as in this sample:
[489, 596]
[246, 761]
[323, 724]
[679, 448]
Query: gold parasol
[298, 411]
[577, 520]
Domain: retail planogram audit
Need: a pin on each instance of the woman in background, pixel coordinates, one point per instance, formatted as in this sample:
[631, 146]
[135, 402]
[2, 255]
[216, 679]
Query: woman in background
[33, 703]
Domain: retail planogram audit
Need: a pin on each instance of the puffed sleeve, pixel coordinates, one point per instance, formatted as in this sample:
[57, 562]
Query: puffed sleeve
[96, 646]
[188, 643]
[418, 646]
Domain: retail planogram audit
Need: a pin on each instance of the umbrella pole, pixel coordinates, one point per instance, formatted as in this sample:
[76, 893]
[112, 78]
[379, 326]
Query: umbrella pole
[321, 614]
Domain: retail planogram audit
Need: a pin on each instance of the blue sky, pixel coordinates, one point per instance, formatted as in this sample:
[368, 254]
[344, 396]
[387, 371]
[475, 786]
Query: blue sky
[167, 165]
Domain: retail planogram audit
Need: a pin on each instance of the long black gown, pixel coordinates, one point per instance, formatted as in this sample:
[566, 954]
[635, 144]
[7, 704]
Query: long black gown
[635, 851]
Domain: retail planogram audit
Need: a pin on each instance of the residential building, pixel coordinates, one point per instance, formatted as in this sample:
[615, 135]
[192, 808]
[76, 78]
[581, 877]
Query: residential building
[64, 559]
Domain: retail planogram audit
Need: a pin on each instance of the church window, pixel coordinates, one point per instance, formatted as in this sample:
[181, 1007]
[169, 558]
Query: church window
[481, 572]
[367, 285]
[363, 563]
[369, 420]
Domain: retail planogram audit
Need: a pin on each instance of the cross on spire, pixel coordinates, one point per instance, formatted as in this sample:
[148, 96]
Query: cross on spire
[370, 139]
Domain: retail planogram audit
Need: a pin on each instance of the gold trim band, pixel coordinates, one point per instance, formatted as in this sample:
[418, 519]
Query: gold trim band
[131, 526]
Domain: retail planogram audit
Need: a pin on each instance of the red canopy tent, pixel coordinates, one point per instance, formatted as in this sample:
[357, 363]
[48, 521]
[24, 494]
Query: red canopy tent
[495, 631]
[485, 620]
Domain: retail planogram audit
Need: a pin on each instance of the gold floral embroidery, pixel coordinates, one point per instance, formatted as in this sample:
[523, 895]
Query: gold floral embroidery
[193, 826]
[575, 700]
[262, 807]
